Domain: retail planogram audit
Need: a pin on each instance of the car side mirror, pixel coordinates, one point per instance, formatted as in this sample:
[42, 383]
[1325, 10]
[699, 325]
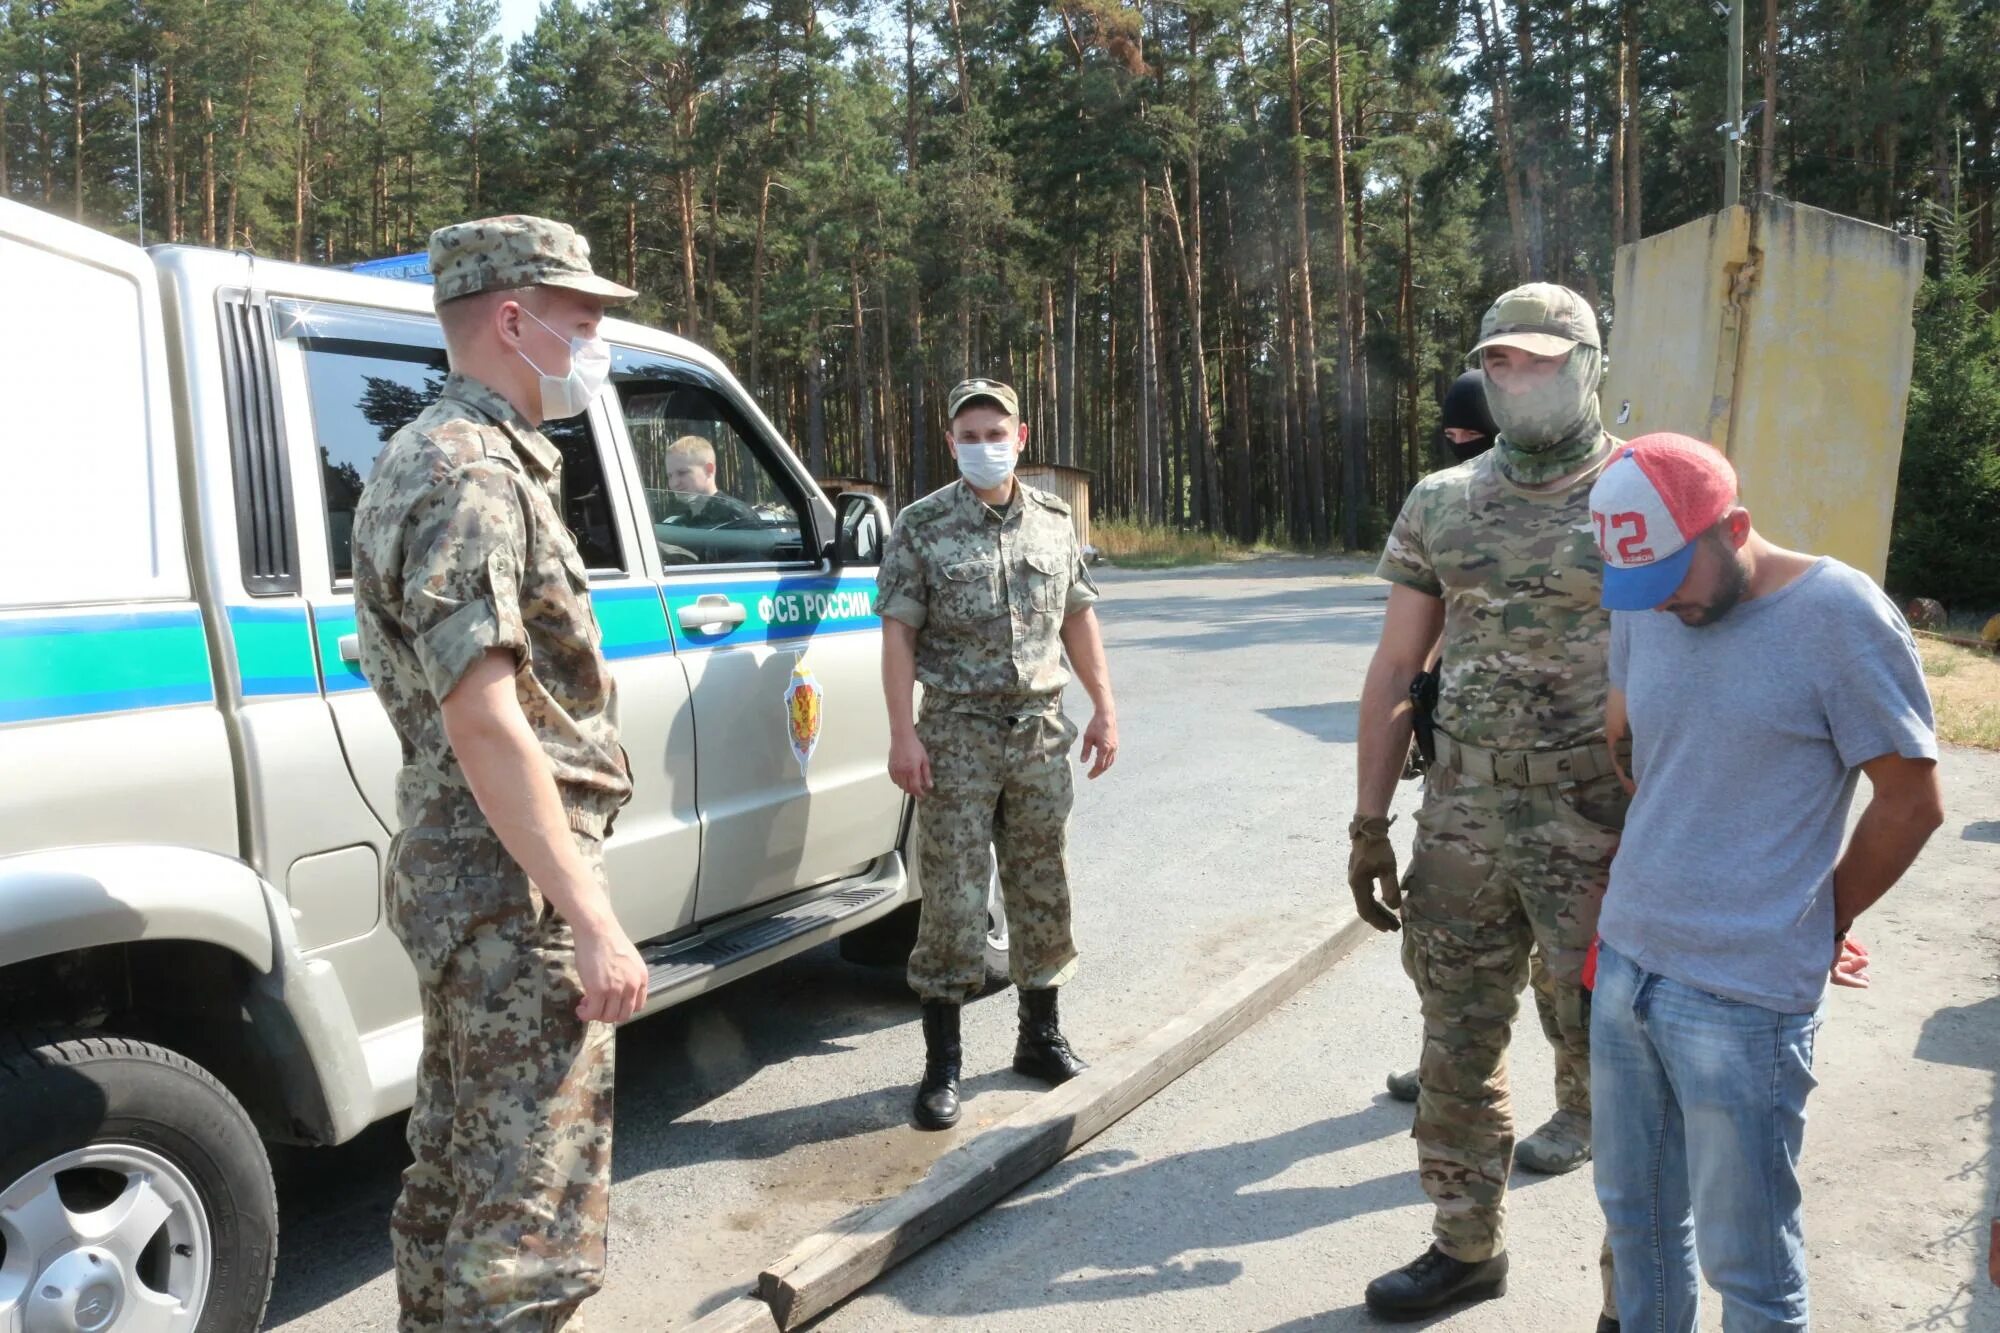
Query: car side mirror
[861, 521]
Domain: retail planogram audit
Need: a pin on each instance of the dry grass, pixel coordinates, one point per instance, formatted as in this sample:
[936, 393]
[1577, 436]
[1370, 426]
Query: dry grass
[1965, 690]
[1144, 546]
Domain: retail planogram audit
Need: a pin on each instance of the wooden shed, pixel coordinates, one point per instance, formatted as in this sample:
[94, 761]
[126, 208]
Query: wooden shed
[1071, 484]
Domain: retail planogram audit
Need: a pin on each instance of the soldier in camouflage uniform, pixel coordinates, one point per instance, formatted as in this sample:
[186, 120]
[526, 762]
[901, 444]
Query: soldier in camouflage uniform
[981, 590]
[1522, 810]
[477, 634]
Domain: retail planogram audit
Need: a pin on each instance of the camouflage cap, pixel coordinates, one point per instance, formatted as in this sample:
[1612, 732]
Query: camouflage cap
[978, 387]
[1541, 318]
[495, 254]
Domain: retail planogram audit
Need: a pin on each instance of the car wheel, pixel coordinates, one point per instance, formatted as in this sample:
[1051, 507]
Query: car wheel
[134, 1192]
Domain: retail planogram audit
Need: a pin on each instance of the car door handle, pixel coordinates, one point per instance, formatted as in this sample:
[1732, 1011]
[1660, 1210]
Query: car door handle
[711, 612]
[350, 648]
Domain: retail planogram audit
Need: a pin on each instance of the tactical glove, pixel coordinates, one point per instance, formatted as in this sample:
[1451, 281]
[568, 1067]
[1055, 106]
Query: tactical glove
[1372, 861]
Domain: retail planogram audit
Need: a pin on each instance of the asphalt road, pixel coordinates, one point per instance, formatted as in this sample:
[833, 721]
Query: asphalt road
[1262, 1191]
[750, 1118]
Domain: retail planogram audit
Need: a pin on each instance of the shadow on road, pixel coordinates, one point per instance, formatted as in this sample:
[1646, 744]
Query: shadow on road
[1318, 611]
[1333, 723]
[1128, 1225]
[334, 1203]
[1968, 1035]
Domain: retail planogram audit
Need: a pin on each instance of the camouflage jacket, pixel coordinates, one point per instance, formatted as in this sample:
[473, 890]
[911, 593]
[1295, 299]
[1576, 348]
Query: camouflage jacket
[1525, 641]
[460, 547]
[987, 591]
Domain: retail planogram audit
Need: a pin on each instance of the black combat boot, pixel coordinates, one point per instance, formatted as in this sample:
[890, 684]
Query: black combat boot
[1043, 1052]
[937, 1095]
[1436, 1280]
[1606, 1324]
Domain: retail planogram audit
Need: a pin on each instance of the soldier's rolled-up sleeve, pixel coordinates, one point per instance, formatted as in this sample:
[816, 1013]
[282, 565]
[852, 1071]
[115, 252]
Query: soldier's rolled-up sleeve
[463, 550]
[1405, 557]
[900, 591]
[1082, 587]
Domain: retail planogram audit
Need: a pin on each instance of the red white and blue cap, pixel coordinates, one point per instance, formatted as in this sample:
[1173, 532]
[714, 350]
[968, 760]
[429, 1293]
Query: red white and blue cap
[1658, 494]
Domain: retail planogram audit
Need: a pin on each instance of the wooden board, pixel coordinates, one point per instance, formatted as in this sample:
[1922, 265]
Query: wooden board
[827, 1268]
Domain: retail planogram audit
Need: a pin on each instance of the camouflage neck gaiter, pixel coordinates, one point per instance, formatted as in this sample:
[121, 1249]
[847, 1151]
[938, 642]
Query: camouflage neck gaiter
[1552, 429]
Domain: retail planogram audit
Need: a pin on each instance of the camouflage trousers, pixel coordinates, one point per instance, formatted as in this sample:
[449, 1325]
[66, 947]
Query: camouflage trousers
[1497, 872]
[1000, 788]
[503, 1215]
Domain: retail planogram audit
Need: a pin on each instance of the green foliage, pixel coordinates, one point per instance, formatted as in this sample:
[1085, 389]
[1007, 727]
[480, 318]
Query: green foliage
[858, 202]
[1948, 491]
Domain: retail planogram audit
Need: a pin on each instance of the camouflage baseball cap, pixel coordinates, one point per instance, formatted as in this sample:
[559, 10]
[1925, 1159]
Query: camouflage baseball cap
[978, 387]
[1541, 318]
[495, 254]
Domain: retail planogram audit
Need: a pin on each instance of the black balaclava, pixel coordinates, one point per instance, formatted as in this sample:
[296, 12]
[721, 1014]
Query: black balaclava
[1465, 408]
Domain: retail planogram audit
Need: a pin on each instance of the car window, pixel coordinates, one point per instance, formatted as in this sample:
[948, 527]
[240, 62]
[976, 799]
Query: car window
[713, 495]
[363, 393]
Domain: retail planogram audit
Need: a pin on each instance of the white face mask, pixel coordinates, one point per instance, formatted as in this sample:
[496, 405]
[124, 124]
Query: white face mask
[589, 368]
[986, 467]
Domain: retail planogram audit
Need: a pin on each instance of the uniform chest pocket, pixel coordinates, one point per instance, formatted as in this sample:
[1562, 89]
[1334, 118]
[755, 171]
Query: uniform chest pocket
[1046, 576]
[969, 591]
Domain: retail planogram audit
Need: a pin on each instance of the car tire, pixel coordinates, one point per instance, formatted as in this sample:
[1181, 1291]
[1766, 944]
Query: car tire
[166, 1191]
[888, 940]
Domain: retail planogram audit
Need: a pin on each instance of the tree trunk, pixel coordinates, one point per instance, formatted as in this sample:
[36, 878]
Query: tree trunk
[632, 243]
[1353, 426]
[958, 53]
[76, 124]
[1635, 137]
[857, 378]
[1767, 141]
[169, 161]
[1149, 482]
[920, 473]
[1406, 331]
[1618, 142]
[1503, 122]
[684, 191]
[815, 366]
[1307, 367]
[757, 291]
[236, 164]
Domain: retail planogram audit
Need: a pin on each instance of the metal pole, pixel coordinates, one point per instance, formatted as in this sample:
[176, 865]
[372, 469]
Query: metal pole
[1732, 150]
[139, 151]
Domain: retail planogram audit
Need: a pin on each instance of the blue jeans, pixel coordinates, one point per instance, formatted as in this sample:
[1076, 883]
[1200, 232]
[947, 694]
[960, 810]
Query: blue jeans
[1698, 1113]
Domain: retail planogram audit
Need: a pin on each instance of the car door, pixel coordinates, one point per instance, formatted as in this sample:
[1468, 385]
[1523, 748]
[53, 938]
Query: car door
[759, 618]
[356, 376]
[109, 726]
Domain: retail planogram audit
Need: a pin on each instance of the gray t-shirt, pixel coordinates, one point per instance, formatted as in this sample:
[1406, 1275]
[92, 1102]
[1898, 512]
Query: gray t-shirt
[1747, 737]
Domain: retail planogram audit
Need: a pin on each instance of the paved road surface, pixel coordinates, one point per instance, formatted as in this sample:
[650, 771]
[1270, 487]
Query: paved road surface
[751, 1117]
[1264, 1189]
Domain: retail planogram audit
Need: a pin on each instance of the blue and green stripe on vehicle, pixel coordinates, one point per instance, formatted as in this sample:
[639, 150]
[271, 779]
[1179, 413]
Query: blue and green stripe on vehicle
[85, 663]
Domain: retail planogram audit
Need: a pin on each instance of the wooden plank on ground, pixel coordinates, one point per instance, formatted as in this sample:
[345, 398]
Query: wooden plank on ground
[826, 1268]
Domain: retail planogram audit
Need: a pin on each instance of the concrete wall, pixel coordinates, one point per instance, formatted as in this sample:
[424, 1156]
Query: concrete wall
[1781, 334]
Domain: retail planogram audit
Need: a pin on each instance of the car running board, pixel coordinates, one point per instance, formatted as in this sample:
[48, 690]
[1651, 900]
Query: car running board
[687, 968]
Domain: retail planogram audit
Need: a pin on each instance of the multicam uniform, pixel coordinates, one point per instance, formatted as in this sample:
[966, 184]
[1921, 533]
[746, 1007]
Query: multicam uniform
[459, 549]
[1520, 817]
[987, 591]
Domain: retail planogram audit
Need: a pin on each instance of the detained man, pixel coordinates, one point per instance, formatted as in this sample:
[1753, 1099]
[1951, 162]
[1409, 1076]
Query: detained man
[1758, 685]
